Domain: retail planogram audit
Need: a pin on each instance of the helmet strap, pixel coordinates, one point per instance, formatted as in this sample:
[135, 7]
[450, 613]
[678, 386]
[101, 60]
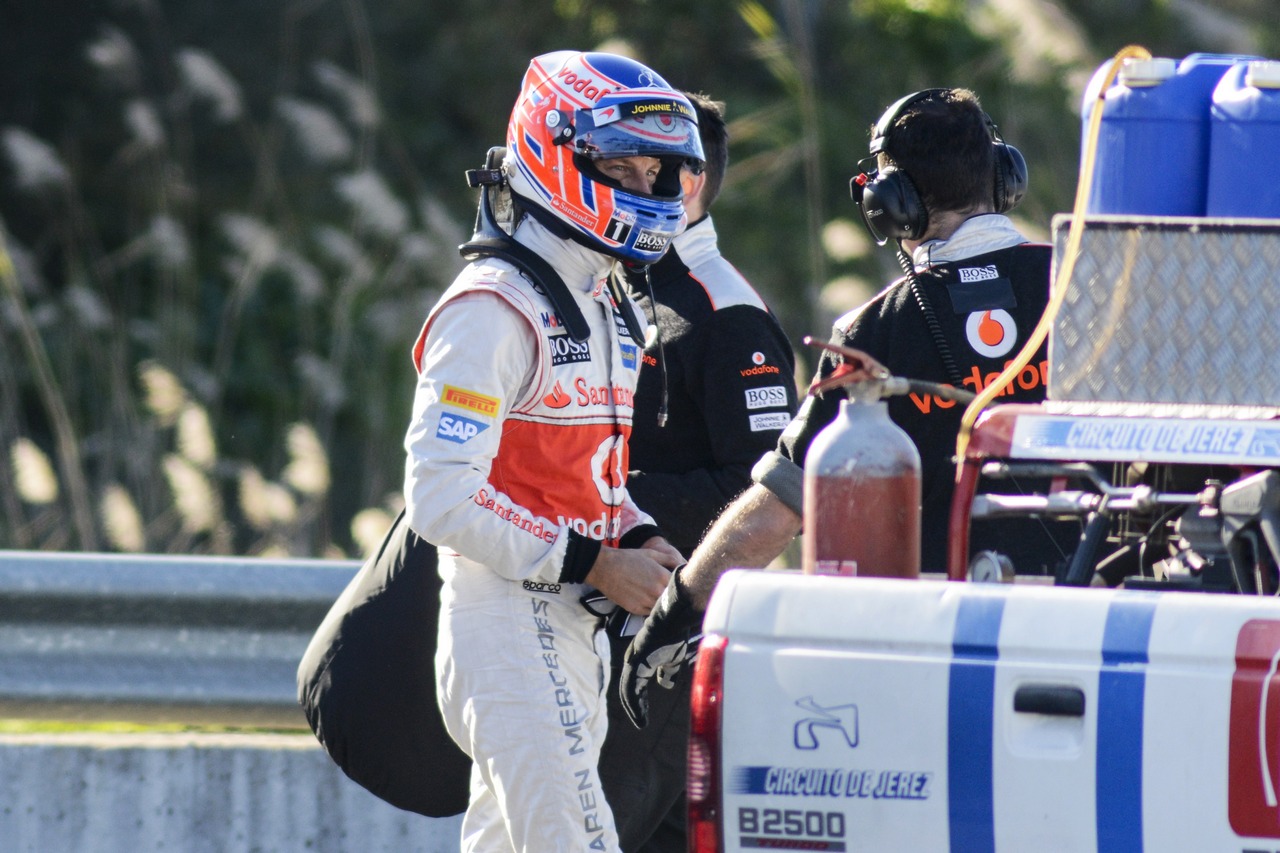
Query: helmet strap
[490, 241]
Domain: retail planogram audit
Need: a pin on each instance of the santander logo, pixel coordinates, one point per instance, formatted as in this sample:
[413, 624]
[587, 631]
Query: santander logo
[991, 333]
[557, 399]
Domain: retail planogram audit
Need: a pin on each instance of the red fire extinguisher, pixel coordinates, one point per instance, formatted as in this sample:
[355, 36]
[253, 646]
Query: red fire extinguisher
[861, 482]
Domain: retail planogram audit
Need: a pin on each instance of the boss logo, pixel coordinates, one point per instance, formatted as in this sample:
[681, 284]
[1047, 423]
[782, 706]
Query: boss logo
[986, 273]
[565, 350]
[651, 242]
[765, 398]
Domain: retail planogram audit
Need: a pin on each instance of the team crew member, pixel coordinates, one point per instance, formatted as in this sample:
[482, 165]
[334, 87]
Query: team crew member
[517, 452]
[975, 288]
[722, 371]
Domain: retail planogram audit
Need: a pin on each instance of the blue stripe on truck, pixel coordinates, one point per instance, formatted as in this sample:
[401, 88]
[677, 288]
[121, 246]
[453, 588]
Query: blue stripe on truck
[970, 719]
[1121, 689]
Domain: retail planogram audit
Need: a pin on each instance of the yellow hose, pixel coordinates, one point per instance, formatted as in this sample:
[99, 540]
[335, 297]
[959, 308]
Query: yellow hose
[1067, 268]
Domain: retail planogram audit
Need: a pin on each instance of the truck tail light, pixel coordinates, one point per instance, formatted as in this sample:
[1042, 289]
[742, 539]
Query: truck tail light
[705, 764]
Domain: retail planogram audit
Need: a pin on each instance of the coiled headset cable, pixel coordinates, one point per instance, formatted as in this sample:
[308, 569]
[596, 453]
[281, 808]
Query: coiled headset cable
[930, 318]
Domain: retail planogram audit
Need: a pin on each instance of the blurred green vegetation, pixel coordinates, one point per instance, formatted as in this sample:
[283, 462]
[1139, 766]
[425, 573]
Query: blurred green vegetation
[225, 222]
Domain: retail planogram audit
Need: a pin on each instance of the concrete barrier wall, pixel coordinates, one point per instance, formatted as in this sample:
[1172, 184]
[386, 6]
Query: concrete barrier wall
[192, 793]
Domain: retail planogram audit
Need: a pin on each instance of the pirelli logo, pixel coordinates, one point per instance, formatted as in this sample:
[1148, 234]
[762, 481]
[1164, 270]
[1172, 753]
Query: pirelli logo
[470, 400]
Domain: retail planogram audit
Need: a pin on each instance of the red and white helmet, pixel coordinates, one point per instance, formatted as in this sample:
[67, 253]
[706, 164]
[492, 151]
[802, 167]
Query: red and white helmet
[578, 108]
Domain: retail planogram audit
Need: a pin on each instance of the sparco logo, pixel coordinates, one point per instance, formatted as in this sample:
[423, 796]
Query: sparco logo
[565, 350]
[651, 242]
[979, 273]
[540, 586]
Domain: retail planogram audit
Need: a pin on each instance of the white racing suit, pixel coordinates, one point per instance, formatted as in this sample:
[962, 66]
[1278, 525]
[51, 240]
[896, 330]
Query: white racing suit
[518, 435]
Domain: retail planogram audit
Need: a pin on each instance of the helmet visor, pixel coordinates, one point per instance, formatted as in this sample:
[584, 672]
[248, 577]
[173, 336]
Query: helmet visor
[663, 126]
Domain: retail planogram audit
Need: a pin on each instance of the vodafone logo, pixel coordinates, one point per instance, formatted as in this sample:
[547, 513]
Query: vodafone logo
[1253, 804]
[580, 83]
[991, 333]
[557, 399]
[757, 358]
[608, 468]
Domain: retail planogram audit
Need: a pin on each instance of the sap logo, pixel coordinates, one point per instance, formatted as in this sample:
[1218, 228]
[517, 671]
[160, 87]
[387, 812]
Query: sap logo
[539, 586]
[628, 355]
[840, 718]
[458, 429]
[979, 273]
[651, 242]
[762, 398]
[565, 350]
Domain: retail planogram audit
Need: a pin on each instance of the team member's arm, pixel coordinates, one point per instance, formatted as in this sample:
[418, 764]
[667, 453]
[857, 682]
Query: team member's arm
[751, 533]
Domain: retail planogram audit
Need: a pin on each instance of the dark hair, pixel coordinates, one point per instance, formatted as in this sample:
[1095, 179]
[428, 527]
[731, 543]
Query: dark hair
[715, 143]
[943, 143]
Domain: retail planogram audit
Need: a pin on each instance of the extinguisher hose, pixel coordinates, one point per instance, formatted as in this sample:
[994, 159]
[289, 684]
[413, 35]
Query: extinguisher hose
[897, 385]
[1065, 271]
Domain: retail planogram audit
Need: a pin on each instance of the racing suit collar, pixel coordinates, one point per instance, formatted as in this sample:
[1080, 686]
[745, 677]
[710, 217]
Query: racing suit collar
[977, 235]
[696, 241]
[580, 267]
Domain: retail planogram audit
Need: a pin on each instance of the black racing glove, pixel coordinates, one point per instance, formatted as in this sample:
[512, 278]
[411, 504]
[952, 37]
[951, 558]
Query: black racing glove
[665, 645]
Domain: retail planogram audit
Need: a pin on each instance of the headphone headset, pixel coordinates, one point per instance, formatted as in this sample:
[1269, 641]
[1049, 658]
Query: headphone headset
[890, 204]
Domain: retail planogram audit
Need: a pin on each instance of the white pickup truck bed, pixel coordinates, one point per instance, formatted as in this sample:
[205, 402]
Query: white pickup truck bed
[894, 715]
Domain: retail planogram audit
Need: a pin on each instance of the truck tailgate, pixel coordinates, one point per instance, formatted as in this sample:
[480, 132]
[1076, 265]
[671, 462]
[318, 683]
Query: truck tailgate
[892, 715]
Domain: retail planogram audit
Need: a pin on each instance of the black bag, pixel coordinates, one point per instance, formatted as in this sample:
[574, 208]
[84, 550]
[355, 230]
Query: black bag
[367, 682]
